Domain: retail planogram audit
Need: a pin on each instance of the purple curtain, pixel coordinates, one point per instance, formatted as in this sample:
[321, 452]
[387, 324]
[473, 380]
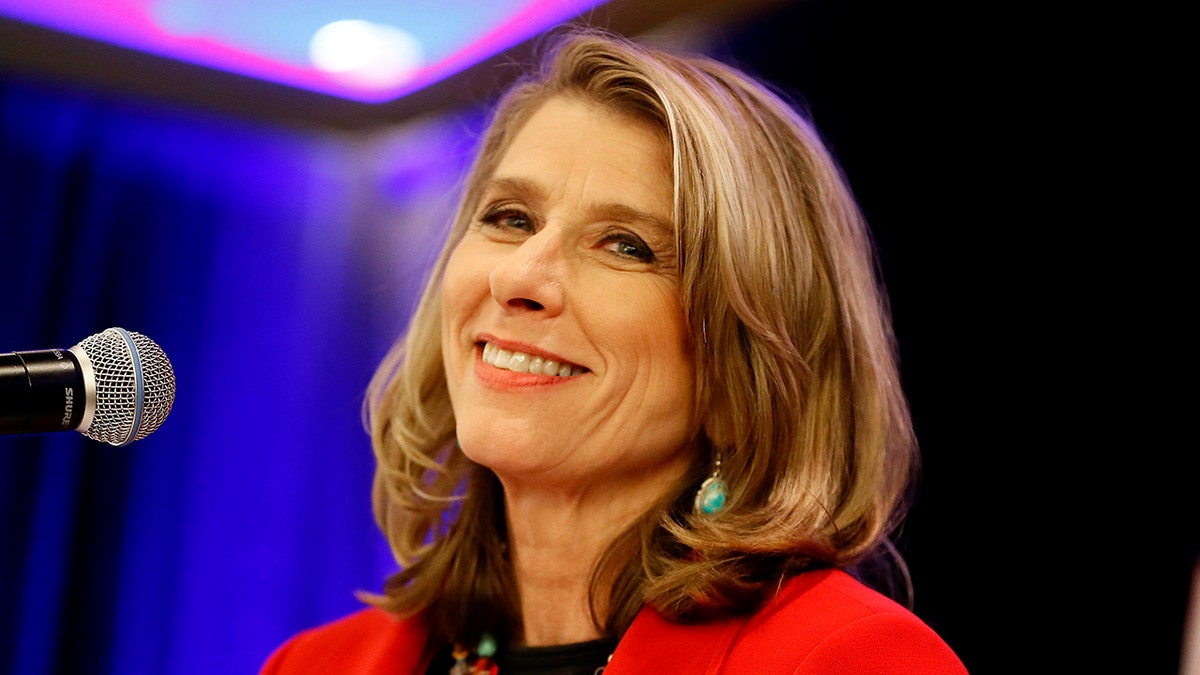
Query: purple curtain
[274, 268]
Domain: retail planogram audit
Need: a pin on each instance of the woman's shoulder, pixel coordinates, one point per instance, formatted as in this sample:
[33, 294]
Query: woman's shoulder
[832, 622]
[819, 622]
[366, 641]
[833, 594]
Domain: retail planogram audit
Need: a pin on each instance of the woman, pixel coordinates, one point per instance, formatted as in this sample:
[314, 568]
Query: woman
[647, 417]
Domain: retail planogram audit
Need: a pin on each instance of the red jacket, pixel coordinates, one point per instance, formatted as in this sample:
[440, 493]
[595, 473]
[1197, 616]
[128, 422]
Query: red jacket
[821, 622]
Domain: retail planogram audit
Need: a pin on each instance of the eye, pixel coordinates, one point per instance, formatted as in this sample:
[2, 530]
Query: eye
[630, 246]
[507, 217]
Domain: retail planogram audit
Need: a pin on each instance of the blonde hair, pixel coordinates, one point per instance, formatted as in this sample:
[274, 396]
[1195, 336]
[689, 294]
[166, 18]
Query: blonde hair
[797, 379]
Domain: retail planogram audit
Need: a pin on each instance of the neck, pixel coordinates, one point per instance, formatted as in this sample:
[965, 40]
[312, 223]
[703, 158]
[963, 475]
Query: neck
[556, 539]
[554, 552]
[560, 523]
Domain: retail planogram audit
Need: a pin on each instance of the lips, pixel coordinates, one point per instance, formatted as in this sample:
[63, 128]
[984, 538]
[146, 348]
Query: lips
[525, 362]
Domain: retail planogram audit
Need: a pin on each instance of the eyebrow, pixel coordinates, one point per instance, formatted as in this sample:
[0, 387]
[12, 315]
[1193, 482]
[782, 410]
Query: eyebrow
[529, 191]
[526, 189]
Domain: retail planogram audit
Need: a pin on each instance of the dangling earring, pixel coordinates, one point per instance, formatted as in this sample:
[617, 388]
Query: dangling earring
[713, 492]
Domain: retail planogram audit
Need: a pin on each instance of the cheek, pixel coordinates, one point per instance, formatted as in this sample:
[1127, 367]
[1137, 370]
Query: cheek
[463, 284]
[457, 308]
[655, 340]
[674, 347]
[657, 321]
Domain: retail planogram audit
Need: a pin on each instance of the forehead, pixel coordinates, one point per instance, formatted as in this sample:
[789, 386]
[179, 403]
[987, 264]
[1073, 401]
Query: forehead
[578, 148]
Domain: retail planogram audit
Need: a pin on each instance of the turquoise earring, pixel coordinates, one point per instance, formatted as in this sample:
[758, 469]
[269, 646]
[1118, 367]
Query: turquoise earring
[713, 493]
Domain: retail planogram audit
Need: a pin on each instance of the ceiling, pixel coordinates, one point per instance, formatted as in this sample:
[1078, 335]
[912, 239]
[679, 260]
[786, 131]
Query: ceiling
[349, 64]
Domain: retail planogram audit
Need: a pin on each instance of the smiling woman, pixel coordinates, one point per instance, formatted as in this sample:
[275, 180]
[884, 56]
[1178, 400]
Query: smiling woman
[544, 270]
[647, 417]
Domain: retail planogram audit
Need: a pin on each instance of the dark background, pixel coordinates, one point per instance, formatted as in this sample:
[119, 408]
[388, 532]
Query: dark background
[1016, 165]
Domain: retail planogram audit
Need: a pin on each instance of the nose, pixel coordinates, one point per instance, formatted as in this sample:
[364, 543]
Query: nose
[529, 278]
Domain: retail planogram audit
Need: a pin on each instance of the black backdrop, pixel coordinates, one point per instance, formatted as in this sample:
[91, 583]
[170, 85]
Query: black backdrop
[1020, 167]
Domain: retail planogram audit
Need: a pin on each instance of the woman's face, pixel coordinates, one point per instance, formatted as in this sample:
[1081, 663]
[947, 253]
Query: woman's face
[566, 354]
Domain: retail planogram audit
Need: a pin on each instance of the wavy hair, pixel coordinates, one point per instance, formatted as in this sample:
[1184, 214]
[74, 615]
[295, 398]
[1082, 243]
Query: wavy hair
[798, 384]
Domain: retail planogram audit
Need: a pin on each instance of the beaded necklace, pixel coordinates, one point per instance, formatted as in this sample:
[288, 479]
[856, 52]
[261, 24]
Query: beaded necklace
[483, 663]
[482, 660]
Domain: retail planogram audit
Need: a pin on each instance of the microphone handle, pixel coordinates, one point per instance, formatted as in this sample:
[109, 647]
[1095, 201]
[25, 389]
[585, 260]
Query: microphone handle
[40, 391]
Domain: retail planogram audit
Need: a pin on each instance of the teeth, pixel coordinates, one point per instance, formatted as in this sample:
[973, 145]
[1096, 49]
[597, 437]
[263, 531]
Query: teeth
[520, 362]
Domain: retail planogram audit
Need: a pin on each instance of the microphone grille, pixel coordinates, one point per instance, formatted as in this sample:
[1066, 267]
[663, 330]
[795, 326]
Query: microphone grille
[135, 386]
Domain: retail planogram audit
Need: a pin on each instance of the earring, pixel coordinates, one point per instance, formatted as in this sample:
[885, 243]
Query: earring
[713, 492]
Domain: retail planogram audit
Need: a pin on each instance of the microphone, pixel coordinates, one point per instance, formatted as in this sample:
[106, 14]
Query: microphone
[115, 387]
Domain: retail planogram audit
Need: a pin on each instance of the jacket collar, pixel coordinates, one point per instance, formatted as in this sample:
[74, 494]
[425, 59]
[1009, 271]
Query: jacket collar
[654, 645]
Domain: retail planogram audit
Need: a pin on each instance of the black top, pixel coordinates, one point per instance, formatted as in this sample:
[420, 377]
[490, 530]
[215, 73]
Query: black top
[578, 658]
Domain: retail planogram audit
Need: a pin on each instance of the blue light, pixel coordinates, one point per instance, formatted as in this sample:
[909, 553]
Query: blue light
[271, 39]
